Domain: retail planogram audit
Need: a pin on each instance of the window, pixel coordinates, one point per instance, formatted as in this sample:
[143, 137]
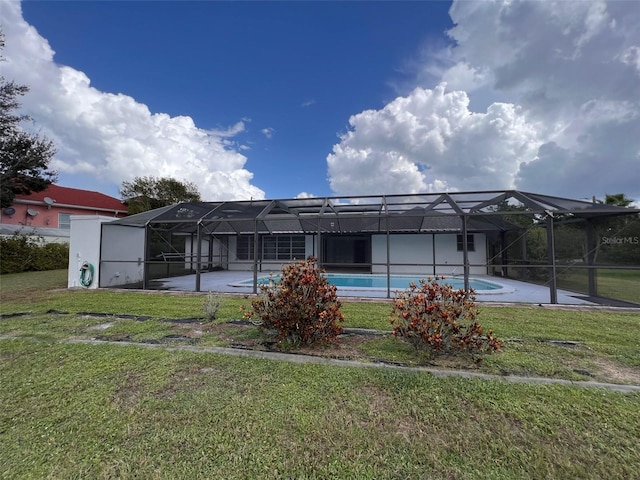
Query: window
[64, 221]
[275, 247]
[471, 247]
[244, 247]
[298, 248]
[289, 247]
[269, 248]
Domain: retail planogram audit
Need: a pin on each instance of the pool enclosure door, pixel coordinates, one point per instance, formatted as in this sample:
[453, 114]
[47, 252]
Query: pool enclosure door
[347, 252]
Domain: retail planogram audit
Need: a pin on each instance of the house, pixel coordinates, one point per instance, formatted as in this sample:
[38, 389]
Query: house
[48, 213]
[486, 233]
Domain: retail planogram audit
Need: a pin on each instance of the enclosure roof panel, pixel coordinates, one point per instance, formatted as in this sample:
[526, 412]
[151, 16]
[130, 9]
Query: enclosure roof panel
[141, 219]
[484, 210]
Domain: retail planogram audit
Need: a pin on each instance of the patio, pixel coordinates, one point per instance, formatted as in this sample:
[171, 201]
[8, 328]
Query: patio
[514, 291]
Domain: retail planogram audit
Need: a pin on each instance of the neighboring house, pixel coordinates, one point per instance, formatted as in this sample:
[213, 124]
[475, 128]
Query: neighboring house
[48, 213]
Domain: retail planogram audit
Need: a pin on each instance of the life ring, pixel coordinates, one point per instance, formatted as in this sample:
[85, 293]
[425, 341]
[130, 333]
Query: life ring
[86, 274]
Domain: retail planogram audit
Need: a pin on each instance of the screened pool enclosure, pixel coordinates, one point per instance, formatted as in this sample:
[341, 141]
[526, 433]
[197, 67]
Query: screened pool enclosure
[578, 245]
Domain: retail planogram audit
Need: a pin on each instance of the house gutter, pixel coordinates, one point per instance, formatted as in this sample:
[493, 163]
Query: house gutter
[66, 205]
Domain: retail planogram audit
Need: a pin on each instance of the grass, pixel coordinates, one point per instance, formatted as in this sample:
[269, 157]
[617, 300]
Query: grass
[80, 411]
[620, 284]
[611, 283]
[607, 341]
[23, 287]
[106, 411]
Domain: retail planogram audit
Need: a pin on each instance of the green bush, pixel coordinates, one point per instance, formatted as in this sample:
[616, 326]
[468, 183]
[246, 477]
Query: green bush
[24, 253]
[301, 308]
[428, 317]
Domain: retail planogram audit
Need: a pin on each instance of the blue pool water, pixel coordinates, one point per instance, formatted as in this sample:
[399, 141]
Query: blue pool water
[398, 282]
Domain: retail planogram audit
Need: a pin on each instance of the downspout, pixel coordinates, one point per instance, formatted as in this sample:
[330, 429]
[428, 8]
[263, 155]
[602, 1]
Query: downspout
[210, 253]
[433, 252]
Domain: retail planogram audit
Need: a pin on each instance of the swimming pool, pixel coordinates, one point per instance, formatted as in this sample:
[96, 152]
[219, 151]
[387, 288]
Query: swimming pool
[351, 281]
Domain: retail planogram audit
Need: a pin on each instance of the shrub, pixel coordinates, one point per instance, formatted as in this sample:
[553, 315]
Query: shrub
[301, 308]
[429, 317]
[25, 253]
[211, 306]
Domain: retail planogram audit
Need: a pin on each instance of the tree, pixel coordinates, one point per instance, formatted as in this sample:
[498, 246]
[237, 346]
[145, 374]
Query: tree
[619, 237]
[618, 199]
[24, 157]
[146, 193]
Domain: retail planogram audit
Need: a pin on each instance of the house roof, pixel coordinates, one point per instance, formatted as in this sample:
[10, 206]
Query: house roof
[428, 212]
[75, 197]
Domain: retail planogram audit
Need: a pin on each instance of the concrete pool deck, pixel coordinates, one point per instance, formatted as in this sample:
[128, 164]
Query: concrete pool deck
[514, 291]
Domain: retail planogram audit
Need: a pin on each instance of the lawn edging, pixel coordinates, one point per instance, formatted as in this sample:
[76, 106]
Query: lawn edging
[302, 358]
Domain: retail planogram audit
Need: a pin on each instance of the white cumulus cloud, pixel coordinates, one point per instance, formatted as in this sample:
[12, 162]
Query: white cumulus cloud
[306, 195]
[112, 136]
[557, 90]
[430, 141]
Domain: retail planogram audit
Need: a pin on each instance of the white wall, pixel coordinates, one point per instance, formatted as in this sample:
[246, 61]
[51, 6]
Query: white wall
[122, 255]
[84, 246]
[415, 251]
[447, 254]
[234, 263]
[48, 235]
[219, 253]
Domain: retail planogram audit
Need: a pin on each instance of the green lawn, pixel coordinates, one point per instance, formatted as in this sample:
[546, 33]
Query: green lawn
[611, 283]
[105, 411]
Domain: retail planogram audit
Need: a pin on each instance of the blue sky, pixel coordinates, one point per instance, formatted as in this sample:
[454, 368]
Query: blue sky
[280, 99]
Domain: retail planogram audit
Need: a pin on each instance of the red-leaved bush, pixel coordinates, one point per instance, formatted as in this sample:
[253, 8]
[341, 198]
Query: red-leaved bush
[430, 317]
[302, 307]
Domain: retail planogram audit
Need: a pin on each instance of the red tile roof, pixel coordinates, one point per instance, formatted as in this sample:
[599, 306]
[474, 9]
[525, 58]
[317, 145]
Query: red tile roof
[76, 197]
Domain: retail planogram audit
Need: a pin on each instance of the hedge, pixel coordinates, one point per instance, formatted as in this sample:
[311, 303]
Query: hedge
[24, 253]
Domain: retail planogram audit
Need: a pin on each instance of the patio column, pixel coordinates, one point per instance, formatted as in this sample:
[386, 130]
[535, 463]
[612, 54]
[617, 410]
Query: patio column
[551, 255]
[255, 256]
[145, 266]
[504, 254]
[525, 257]
[591, 253]
[465, 253]
[210, 253]
[198, 254]
[319, 247]
[388, 258]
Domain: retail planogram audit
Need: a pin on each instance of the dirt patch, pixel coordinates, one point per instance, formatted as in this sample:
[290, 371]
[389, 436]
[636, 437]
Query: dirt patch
[610, 371]
[130, 393]
[346, 348]
[195, 378]
[191, 379]
[102, 326]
